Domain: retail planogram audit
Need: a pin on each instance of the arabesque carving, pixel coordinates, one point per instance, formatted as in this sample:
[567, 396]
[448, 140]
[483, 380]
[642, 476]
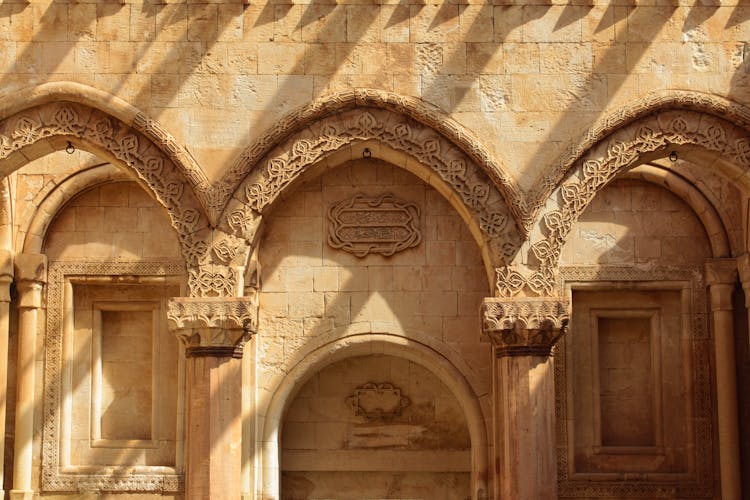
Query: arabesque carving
[54, 476]
[601, 165]
[384, 225]
[470, 183]
[217, 326]
[408, 110]
[524, 327]
[658, 101]
[511, 281]
[125, 143]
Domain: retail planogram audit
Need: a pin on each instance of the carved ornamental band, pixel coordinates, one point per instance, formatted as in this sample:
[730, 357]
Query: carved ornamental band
[217, 326]
[528, 327]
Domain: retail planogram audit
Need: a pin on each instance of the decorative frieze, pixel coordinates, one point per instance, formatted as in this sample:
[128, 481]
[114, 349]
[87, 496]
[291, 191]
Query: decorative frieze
[384, 224]
[213, 326]
[526, 327]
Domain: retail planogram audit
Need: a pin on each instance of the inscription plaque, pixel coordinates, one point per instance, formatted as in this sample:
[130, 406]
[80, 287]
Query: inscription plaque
[362, 225]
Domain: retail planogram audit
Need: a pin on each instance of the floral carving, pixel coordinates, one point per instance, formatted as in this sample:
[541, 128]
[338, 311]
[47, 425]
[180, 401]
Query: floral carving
[510, 281]
[652, 134]
[213, 326]
[412, 116]
[126, 143]
[213, 281]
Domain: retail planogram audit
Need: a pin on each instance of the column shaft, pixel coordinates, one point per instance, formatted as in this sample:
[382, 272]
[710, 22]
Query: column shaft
[31, 270]
[526, 414]
[726, 390]
[214, 429]
[6, 276]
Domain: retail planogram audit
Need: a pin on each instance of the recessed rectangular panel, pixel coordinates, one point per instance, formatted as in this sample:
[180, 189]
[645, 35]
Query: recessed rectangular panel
[126, 375]
[626, 392]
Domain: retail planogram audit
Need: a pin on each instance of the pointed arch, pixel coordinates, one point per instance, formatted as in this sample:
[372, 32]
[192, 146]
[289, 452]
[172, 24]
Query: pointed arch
[43, 119]
[662, 100]
[695, 125]
[405, 132]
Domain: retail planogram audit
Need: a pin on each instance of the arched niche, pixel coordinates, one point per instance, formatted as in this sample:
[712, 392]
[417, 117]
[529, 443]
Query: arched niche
[112, 372]
[634, 372]
[375, 426]
[367, 344]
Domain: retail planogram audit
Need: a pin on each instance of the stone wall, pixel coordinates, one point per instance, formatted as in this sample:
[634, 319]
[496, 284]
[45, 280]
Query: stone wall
[310, 289]
[634, 222]
[531, 77]
[514, 116]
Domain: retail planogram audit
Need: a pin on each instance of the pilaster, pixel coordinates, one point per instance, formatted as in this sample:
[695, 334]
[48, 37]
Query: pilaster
[523, 332]
[214, 331]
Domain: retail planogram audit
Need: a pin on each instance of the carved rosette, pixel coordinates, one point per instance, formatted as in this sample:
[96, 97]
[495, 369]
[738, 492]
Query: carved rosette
[213, 326]
[527, 327]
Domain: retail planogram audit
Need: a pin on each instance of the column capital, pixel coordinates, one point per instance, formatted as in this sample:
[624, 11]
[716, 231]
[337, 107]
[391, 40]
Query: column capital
[213, 326]
[31, 275]
[524, 326]
[721, 271]
[6, 274]
[743, 267]
[31, 267]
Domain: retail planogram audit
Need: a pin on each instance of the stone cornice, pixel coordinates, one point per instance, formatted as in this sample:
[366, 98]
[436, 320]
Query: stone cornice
[214, 326]
[524, 327]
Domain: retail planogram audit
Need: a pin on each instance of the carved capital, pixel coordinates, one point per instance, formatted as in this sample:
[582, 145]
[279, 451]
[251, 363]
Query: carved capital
[721, 272]
[525, 327]
[213, 326]
[743, 267]
[6, 275]
[31, 275]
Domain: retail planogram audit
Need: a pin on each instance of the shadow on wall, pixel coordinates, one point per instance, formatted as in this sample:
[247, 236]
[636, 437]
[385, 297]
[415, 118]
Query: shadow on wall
[632, 222]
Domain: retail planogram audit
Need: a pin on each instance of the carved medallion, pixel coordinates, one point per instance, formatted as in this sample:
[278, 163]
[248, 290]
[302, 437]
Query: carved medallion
[374, 401]
[362, 225]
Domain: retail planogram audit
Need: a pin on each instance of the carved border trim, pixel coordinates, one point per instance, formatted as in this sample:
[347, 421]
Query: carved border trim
[128, 144]
[655, 102]
[701, 484]
[471, 185]
[411, 109]
[653, 133]
[53, 479]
